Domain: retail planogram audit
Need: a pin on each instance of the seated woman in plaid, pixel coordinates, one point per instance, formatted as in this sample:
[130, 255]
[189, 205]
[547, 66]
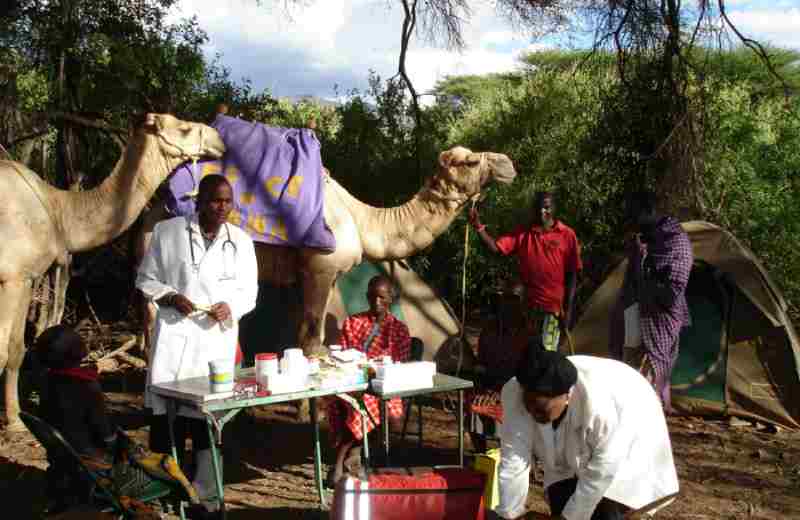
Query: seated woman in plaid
[377, 333]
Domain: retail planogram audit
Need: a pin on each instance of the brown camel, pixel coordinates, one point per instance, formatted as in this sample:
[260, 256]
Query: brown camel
[42, 225]
[363, 231]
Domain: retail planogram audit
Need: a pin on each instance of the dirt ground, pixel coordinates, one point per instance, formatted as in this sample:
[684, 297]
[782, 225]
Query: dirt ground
[727, 471]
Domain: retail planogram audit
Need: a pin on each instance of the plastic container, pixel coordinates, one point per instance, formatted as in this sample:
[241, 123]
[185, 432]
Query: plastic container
[221, 374]
[293, 353]
[266, 367]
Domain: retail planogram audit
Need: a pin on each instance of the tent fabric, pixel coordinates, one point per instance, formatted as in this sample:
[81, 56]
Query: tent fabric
[427, 316]
[272, 326]
[740, 355]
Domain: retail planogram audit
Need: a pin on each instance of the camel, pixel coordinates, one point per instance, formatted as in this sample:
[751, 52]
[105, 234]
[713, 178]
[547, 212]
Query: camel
[43, 225]
[363, 231]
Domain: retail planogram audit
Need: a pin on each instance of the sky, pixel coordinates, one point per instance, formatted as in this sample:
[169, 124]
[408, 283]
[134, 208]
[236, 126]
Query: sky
[330, 46]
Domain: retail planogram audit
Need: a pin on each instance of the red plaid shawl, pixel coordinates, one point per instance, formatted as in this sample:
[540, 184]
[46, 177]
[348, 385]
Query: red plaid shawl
[392, 340]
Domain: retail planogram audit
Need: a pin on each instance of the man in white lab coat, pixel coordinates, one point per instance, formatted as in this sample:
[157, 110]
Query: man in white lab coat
[599, 429]
[202, 273]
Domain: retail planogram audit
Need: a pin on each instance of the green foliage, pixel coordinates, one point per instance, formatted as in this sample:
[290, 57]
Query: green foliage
[753, 179]
[470, 88]
[34, 90]
[557, 60]
[573, 131]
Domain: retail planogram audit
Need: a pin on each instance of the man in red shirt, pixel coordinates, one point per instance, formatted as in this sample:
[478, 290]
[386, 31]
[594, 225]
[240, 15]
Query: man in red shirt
[377, 333]
[549, 259]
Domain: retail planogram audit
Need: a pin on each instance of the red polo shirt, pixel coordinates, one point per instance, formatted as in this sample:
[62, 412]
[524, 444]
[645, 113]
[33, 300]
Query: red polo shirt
[545, 256]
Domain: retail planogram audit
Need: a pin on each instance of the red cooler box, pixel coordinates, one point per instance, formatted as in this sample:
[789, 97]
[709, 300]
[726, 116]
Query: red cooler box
[418, 493]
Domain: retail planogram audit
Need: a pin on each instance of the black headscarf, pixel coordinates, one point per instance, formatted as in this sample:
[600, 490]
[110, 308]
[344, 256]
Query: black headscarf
[60, 347]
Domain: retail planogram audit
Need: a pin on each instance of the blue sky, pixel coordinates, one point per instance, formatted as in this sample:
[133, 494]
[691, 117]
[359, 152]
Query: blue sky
[337, 42]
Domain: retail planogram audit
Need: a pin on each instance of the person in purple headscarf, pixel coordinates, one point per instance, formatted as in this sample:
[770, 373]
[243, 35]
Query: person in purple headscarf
[651, 309]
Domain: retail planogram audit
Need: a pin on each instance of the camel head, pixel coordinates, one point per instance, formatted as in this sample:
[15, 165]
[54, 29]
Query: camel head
[183, 140]
[468, 172]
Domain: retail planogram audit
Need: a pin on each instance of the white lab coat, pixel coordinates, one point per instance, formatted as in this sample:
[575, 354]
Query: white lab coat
[183, 346]
[613, 437]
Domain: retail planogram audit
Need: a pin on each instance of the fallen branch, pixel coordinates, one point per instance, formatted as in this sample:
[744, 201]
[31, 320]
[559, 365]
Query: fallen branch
[132, 360]
[129, 344]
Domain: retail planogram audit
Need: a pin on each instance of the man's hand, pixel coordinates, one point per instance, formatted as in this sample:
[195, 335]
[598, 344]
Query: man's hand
[180, 302]
[474, 217]
[565, 321]
[220, 312]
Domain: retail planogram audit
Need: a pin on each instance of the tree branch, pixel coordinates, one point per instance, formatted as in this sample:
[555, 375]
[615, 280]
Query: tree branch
[33, 135]
[117, 134]
[754, 46]
[409, 23]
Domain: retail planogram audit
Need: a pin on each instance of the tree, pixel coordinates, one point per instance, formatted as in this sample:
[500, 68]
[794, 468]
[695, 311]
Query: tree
[74, 76]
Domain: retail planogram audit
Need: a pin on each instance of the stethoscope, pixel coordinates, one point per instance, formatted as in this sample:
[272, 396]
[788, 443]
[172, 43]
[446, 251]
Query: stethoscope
[227, 273]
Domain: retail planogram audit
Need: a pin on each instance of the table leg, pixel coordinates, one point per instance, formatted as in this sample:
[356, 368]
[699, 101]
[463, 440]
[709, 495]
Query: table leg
[317, 452]
[419, 421]
[385, 431]
[171, 412]
[217, 466]
[461, 428]
[365, 440]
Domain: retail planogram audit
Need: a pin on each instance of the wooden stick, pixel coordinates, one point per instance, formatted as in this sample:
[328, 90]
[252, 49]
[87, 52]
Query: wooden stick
[91, 309]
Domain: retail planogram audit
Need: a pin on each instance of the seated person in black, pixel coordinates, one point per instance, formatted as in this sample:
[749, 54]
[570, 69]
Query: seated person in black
[73, 403]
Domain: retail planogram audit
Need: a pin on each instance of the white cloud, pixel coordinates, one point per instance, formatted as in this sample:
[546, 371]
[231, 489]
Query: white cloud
[338, 41]
[773, 25]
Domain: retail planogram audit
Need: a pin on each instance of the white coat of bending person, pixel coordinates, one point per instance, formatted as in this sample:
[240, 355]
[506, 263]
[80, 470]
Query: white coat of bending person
[202, 273]
[599, 429]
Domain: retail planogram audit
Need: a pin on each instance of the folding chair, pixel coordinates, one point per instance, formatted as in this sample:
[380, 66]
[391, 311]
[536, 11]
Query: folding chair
[120, 494]
[417, 350]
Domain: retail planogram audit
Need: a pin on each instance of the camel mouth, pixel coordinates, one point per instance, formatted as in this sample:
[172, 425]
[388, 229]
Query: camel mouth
[215, 149]
[505, 179]
[503, 170]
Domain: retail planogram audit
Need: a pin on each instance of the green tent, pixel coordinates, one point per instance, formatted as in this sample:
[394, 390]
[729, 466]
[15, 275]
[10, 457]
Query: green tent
[272, 326]
[740, 355]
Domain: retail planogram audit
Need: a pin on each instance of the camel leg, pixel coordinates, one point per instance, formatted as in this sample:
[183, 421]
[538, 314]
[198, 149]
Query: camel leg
[17, 297]
[317, 287]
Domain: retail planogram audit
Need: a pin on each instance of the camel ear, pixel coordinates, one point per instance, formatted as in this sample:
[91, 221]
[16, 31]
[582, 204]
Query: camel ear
[445, 159]
[150, 122]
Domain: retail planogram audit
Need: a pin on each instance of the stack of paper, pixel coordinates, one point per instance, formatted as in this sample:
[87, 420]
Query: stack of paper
[348, 375]
[347, 356]
[398, 377]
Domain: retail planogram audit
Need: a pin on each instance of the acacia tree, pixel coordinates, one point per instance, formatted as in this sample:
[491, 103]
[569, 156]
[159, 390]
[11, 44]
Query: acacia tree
[655, 43]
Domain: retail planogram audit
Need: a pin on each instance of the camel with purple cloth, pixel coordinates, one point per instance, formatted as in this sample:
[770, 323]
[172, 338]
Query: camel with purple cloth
[363, 232]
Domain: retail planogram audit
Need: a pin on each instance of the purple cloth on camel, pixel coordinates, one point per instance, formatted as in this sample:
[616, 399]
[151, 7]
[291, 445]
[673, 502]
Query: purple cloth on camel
[669, 253]
[276, 175]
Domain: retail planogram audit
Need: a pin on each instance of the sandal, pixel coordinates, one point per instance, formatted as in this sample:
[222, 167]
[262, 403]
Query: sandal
[352, 463]
[332, 478]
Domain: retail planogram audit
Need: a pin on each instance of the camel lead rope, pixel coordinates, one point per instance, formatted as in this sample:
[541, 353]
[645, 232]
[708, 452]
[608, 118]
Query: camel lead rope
[464, 295]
